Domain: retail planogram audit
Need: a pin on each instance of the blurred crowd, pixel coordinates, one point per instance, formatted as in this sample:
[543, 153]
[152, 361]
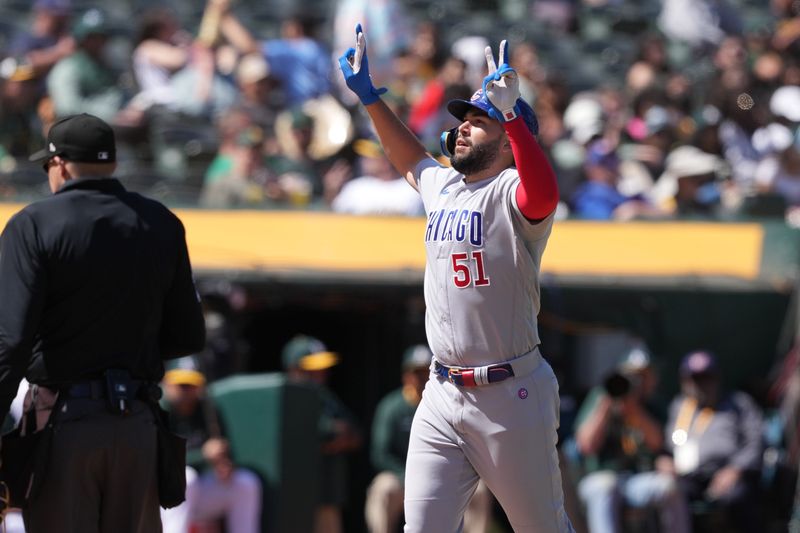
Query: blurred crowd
[648, 110]
[651, 109]
[706, 457]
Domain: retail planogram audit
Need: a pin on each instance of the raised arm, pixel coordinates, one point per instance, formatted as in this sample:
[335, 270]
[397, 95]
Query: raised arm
[403, 149]
[537, 192]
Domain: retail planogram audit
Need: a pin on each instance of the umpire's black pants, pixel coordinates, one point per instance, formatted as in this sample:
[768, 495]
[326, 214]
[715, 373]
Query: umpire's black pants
[101, 474]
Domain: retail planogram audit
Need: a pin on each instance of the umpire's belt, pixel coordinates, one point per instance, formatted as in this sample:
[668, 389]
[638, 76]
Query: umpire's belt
[97, 389]
[484, 375]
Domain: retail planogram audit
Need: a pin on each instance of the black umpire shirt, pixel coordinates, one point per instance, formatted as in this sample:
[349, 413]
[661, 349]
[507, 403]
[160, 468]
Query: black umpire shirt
[91, 278]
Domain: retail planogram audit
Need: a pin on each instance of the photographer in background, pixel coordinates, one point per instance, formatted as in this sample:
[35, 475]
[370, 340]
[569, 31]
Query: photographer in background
[715, 443]
[619, 435]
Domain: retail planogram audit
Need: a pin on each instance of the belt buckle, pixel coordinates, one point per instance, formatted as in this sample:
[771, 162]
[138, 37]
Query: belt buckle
[461, 377]
[453, 372]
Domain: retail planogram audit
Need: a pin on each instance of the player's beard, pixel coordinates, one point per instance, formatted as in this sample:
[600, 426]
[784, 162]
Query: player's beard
[477, 159]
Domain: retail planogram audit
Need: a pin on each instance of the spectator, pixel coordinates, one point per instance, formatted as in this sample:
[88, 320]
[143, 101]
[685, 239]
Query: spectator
[221, 492]
[299, 60]
[653, 51]
[391, 31]
[230, 179]
[296, 58]
[471, 50]
[425, 110]
[307, 168]
[426, 49]
[307, 360]
[298, 175]
[787, 30]
[161, 48]
[715, 441]
[48, 39]
[559, 15]
[525, 60]
[780, 174]
[649, 136]
[699, 23]
[738, 124]
[690, 185]
[390, 432]
[584, 118]
[199, 89]
[83, 82]
[20, 130]
[619, 434]
[598, 198]
[379, 190]
[261, 96]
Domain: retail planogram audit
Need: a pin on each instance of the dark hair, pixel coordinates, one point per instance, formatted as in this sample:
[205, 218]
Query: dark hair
[152, 22]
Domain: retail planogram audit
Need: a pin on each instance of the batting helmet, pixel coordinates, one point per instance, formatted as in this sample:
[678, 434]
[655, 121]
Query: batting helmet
[459, 108]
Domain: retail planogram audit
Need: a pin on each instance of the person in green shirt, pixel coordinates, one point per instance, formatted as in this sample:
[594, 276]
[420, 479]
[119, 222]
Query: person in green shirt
[307, 360]
[391, 428]
[619, 437]
[216, 489]
[83, 82]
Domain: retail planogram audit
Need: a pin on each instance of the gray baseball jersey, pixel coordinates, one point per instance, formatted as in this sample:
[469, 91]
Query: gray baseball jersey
[482, 298]
[483, 260]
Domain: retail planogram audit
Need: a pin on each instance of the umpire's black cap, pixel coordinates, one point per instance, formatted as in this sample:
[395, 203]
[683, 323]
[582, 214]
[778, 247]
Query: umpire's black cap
[84, 138]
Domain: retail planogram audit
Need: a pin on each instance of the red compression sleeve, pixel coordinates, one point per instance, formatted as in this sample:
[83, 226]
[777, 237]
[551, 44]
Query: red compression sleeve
[537, 192]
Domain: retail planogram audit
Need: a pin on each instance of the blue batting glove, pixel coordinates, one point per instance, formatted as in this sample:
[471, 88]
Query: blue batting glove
[501, 86]
[355, 69]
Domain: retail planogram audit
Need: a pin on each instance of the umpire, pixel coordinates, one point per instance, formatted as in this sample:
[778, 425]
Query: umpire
[96, 291]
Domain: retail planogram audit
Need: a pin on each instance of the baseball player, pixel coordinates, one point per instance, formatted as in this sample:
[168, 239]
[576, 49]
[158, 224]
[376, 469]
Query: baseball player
[490, 409]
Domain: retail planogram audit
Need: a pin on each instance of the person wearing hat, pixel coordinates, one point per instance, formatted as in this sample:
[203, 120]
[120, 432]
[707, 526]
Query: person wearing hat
[691, 182]
[261, 92]
[229, 180]
[391, 429]
[307, 360]
[599, 198]
[97, 291]
[83, 81]
[714, 438]
[491, 411]
[216, 488]
[306, 170]
[618, 434]
[377, 189]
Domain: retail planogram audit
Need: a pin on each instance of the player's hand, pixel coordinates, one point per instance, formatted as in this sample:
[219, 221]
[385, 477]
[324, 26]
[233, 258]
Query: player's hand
[501, 86]
[355, 68]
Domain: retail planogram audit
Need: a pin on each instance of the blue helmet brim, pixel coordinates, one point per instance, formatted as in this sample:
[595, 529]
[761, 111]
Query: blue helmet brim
[459, 109]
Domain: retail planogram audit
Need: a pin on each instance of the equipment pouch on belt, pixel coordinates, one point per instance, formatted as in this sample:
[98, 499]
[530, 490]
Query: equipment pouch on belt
[119, 392]
[24, 453]
[171, 461]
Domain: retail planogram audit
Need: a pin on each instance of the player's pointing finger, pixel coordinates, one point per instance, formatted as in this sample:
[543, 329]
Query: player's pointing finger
[490, 60]
[360, 47]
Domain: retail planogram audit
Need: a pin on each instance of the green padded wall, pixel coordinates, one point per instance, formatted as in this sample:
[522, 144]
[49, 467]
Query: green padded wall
[272, 425]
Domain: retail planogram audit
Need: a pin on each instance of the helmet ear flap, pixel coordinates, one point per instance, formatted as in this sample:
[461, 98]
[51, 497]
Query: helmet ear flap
[448, 141]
